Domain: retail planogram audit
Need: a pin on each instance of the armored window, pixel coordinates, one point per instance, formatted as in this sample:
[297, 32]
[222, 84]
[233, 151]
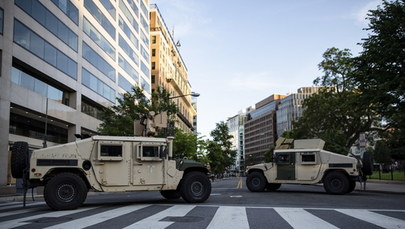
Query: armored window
[283, 159]
[308, 158]
[111, 150]
[150, 151]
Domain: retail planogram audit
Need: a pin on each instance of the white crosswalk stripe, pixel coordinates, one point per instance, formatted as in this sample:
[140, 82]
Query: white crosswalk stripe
[375, 218]
[299, 218]
[23, 221]
[98, 218]
[219, 217]
[235, 217]
[154, 220]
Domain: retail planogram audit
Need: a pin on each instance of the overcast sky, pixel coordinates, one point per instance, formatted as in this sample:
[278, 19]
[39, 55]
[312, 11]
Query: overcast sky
[240, 52]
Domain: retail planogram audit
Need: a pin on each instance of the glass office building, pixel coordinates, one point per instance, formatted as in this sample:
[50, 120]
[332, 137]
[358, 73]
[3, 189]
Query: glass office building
[61, 62]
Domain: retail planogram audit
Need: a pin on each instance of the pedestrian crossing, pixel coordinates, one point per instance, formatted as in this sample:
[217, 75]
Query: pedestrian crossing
[156, 216]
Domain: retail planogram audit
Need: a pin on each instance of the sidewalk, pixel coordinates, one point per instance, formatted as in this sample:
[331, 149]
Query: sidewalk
[8, 193]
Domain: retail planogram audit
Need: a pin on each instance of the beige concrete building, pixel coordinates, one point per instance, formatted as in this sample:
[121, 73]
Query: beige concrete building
[62, 62]
[169, 70]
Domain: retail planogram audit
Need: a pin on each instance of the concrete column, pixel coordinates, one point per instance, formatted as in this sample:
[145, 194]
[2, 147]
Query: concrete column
[6, 44]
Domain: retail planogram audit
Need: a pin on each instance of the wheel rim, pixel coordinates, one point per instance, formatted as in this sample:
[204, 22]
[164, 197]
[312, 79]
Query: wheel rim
[256, 182]
[66, 192]
[197, 188]
[336, 184]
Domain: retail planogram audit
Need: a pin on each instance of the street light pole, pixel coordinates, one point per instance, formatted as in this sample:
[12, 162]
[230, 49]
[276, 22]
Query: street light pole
[193, 94]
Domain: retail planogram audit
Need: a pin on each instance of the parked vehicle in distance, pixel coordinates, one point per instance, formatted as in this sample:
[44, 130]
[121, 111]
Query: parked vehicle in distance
[307, 163]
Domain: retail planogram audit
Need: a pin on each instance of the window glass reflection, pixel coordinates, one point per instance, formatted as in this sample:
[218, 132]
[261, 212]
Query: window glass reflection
[100, 18]
[47, 19]
[99, 62]
[98, 38]
[91, 81]
[32, 83]
[38, 46]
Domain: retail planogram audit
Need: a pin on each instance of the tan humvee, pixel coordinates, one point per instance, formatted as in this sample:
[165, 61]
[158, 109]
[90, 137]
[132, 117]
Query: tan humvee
[305, 163]
[109, 164]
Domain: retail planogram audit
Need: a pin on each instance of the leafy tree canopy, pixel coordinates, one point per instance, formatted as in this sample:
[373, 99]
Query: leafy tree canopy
[367, 91]
[220, 154]
[118, 120]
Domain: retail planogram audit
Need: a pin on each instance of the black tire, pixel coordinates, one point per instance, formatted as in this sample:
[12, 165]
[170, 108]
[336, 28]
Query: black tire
[336, 183]
[65, 191]
[273, 187]
[171, 194]
[367, 162]
[195, 187]
[352, 186]
[19, 159]
[256, 182]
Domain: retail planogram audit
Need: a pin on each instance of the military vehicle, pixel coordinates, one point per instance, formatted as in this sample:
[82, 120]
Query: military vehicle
[109, 164]
[305, 162]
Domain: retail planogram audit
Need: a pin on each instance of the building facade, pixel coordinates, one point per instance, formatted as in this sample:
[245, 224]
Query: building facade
[236, 125]
[169, 70]
[290, 108]
[62, 61]
[260, 129]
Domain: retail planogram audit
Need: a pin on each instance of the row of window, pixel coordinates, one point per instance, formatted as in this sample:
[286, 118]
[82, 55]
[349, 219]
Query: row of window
[91, 81]
[69, 9]
[128, 50]
[109, 7]
[32, 128]
[42, 49]
[48, 20]
[90, 108]
[38, 46]
[125, 28]
[98, 61]
[31, 83]
[128, 68]
[98, 38]
[124, 83]
[100, 17]
[128, 15]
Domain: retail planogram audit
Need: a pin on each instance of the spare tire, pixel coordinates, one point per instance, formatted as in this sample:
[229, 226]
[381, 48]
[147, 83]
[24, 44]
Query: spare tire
[19, 159]
[367, 162]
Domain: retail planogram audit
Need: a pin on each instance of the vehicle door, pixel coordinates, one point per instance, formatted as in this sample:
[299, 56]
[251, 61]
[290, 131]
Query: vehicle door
[148, 165]
[112, 167]
[285, 166]
[308, 166]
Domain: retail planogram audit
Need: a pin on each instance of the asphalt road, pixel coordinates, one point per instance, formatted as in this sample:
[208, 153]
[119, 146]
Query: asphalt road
[230, 205]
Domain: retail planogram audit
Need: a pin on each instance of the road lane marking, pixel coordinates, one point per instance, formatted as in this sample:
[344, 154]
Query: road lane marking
[229, 217]
[299, 218]
[154, 220]
[240, 184]
[374, 218]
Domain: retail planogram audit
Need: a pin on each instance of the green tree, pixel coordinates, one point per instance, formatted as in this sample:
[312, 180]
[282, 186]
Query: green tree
[381, 70]
[382, 152]
[118, 120]
[185, 145]
[336, 114]
[220, 154]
